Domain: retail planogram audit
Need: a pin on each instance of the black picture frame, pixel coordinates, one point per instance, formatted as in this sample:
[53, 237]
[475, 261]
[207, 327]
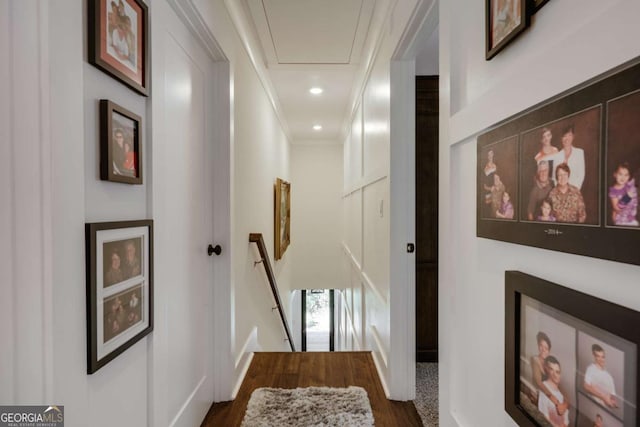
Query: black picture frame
[599, 117]
[505, 20]
[120, 144]
[577, 327]
[536, 5]
[119, 297]
[118, 32]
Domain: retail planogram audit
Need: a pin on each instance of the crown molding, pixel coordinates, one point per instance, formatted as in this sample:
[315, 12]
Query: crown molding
[238, 11]
[193, 19]
[421, 25]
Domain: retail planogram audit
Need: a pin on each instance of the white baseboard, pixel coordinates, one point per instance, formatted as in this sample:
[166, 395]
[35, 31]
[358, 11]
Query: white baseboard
[378, 364]
[186, 403]
[244, 358]
[242, 374]
[381, 349]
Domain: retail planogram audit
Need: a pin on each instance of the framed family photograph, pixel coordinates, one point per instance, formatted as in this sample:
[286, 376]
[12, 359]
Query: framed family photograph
[119, 288]
[119, 41]
[505, 20]
[120, 144]
[570, 359]
[282, 217]
[562, 175]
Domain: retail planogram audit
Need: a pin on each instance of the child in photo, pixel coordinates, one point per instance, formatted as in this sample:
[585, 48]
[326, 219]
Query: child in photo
[497, 194]
[506, 207]
[623, 195]
[545, 212]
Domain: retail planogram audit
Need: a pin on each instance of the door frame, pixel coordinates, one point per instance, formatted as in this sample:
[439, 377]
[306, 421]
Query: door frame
[303, 324]
[219, 129]
[402, 265]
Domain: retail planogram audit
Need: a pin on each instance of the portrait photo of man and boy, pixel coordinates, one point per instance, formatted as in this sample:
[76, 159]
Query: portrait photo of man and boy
[573, 373]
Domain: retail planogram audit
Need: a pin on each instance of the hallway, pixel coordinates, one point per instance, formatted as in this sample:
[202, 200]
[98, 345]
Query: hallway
[291, 370]
[320, 94]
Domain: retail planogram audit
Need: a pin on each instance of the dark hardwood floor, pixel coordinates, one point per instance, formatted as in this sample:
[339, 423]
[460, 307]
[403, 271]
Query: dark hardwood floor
[336, 369]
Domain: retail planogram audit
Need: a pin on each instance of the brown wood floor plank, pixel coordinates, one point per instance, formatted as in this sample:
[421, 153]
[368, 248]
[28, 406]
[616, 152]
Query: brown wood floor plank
[336, 369]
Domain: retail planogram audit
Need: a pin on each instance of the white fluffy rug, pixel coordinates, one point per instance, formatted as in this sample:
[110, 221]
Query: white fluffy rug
[308, 407]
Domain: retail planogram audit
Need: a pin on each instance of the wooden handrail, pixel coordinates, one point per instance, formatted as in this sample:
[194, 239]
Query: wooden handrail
[259, 241]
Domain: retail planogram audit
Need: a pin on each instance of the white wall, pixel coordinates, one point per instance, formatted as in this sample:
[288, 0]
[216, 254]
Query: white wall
[316, 215]
[366, 211]
[380, 298]
[260, 154]
[109, 201]
[49, 162]
[25, 215]
[553, 55]
[427, 55]
[43, 341]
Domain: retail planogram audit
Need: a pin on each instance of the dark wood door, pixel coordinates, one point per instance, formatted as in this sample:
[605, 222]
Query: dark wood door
[427, 117]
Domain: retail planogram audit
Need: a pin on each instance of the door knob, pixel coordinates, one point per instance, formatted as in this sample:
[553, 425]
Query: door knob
[217, 250]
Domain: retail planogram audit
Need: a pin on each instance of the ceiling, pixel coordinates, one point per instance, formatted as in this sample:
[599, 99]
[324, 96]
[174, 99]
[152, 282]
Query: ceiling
[300, 44]
[311, 43]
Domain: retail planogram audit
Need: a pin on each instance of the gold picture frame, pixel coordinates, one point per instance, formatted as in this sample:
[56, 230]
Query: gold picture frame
[282, 217]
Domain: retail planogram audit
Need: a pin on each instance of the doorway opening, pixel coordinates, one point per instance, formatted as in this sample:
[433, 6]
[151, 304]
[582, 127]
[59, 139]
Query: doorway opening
[318, 329]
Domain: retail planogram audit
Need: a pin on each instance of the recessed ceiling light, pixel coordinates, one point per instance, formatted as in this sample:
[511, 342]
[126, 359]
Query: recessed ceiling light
[316, 90]
[317, 127]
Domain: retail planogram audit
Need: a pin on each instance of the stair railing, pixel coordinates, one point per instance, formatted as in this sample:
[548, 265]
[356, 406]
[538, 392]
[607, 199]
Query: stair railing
[264, 260]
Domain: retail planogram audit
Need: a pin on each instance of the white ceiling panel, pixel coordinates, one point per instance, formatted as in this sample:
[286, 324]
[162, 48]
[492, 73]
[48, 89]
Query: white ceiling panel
[313, 31]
